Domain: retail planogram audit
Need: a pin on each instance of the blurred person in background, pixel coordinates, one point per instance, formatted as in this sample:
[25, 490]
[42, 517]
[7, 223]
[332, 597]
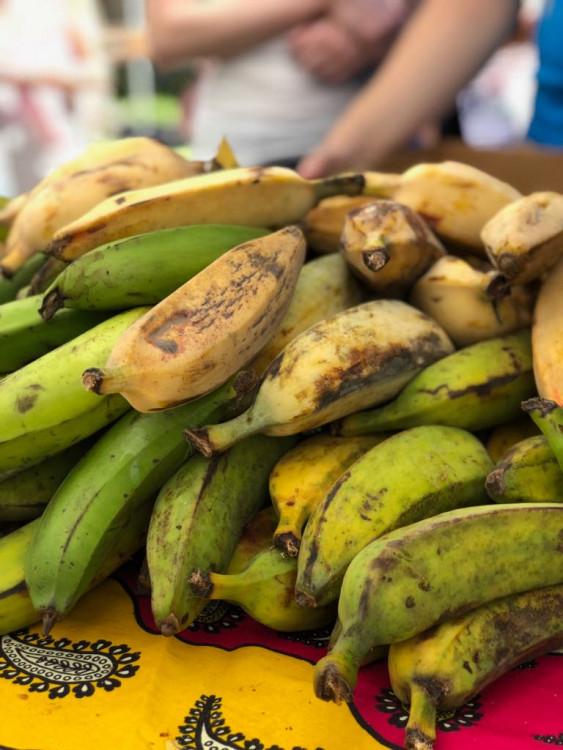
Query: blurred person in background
[55, 86]
[440, 49]
[273, 74]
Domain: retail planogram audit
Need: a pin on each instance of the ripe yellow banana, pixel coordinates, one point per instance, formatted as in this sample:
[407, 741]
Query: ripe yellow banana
[264, 589]
[254, 196]
[547, 336]
[325, 286]
[364, 355]
[389, 246]
[109, 169]
[213, 325]
[380, 492]
[412, 578]
[11, 208]
[324, 223]
[302, 478]
[446, 666]
[455, 294]
[456, 200]
[527, 473]
[525, 238]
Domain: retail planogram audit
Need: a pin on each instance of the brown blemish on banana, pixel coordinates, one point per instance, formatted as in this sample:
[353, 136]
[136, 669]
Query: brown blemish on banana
[25, 403]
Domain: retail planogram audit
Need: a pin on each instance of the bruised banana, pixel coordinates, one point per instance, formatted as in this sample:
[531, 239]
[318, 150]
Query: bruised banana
[45, 276]
[455, 199]
[474, 388]
[122, 471]
[525, 238]
[323, 224]
[412, 578]
[198, 518]
[379, 493]
[362, 356]
[253, 196]
[389, 246]
[445, 667]
[455, 294]
[24, 336]
[16, 608]
[44, 406]
[108, 170]
[547, 336]
[201, 334]
[24, 494]
[141, 270]
[527, 473]
[303, 476]
[324, 287]
[9, 288]
[264, 590]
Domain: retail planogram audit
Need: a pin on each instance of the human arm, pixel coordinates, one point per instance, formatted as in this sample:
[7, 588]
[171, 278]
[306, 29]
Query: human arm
[440, 49]
[183, 30]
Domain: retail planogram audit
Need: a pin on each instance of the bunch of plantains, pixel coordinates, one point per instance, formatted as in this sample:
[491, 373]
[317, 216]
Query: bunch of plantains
[335, 402]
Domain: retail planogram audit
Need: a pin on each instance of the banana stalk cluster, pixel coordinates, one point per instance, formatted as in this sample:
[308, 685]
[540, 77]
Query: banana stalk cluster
[370, 439]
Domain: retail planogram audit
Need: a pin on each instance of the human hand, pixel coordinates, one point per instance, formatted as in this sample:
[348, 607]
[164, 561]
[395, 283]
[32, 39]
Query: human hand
[327, 50]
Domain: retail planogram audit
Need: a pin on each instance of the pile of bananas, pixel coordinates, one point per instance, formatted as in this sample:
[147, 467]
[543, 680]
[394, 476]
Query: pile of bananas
[332, 402]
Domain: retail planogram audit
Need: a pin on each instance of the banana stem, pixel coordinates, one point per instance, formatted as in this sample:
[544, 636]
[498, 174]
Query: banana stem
[335, 676]
[345, 184]
[52, 302]
[216, 438]
[421, 728]
[104, 381]
[548, 416]
[287, 536]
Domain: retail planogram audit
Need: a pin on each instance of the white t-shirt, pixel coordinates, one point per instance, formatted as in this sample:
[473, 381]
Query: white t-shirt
[267, 106]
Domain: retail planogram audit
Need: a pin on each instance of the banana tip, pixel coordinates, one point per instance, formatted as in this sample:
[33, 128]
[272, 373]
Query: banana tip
[170, 625]
[330, 685]
[52, 302]
[305, 600]
[287, 543]
[542, 405]
[417, 740]
[92, 379]
[200, 581]
[199, 440]
[48, 618]
[375, 259]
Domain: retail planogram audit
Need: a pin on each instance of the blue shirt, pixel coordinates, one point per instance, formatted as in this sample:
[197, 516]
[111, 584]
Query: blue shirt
[547, 121]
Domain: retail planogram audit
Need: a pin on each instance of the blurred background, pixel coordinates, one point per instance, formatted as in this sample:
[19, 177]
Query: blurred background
[75, 71]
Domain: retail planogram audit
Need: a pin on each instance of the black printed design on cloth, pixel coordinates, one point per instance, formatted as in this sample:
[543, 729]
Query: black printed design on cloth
[550, 739]
[318, 638]
[60, 667]
[217, 616]
[205, 728]
[451, 720]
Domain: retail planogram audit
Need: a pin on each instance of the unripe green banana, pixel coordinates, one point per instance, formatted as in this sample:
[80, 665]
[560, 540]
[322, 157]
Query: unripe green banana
[474, 388]
[9, 287]
[122, 471]
[24, 494]
[24, 336]
[380, 492]
[198, 518]
[446, 666]
[362, 356]
[256, 536]
[16, 608]
[264, 589]
[527, 473]
[548, 416]
[45, 276]
[412, 578]
[44, 406]
[141, 270]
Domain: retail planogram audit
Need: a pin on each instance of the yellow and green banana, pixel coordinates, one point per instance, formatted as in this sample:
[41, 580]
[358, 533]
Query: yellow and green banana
[198, 518]
[412, 578]
[303, 476]
[528, 473]
[362, 356]
[474, 388]
[44, 406]
[141, 270]
[264, 589]
[446, 666]
[381, 492]
[122, 471]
